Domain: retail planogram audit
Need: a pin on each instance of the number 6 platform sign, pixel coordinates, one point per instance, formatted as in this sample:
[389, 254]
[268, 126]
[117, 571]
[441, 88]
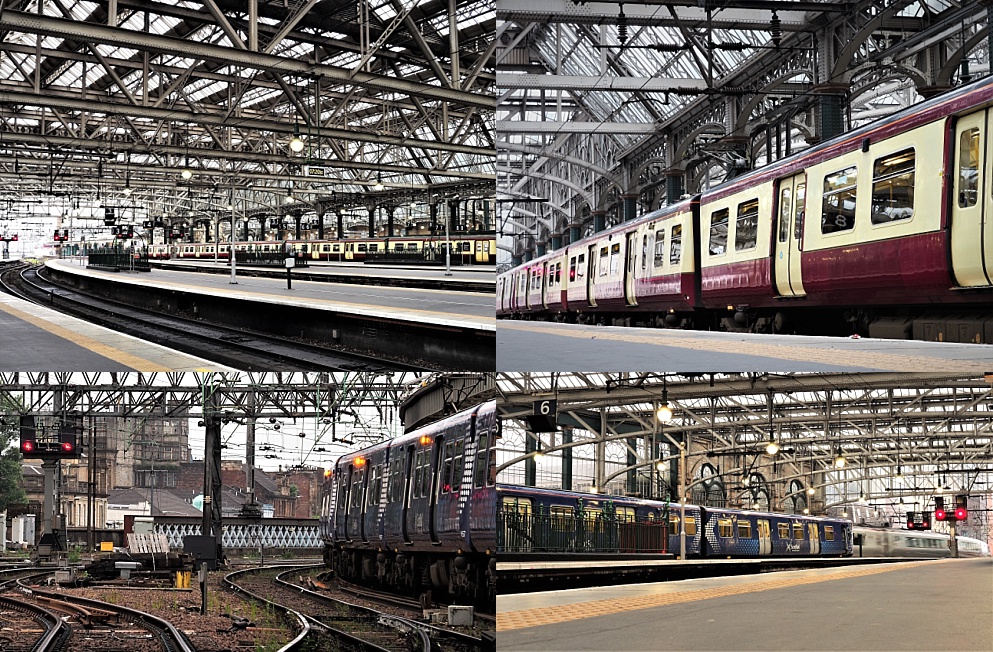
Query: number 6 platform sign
[544, 416]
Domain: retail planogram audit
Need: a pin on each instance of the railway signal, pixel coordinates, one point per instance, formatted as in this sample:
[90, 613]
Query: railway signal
[939, 508]
[961, 507]
[918, 520]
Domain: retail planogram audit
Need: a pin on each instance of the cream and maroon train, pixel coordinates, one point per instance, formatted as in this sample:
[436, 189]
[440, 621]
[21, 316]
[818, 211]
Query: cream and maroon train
[877, 257]
[472, 249]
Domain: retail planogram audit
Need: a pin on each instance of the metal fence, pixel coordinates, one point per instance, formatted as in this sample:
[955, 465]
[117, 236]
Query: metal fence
[270, 258]
[519, 531]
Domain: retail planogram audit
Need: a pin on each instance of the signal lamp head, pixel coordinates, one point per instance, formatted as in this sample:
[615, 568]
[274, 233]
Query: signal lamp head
[939, 515]
[67, 447]
[27, 446]
[960, 514]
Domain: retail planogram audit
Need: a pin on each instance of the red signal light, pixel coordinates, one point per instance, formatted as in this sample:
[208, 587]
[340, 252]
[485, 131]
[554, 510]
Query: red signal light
[67, 446]
[910, 525]
[939, 515]
[27, 446]
[961, 514]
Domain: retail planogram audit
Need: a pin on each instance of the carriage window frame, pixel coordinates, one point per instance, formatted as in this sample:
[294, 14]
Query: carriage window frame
[615, 258]
[725, 529]
[602, 263]
[581, 265]
[659, 248]
[718, 244]
[798, 532]
[785, 212]
[676, 244]
[885, 171]
[744, 529]
[625, 514]
[784, 531]
[841, 185]
[746, 227]
[829, 533]
[644, 252]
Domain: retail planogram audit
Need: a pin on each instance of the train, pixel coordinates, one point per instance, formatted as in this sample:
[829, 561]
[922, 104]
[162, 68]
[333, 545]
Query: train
[886, 542]
[832, 239]
[466, 249]
[535, 520]
[415, 514]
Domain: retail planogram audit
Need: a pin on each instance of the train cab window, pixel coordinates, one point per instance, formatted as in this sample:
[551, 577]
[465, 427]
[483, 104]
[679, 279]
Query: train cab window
[615, 256]
[603, 261]
[829, 533]
[784, 213]
[893, 187]
[659, 248]
[676, 244]
[581, 265]
[838, 211]
[724, 528]
[784, 530]
[798, 531]
[719, 232]
[746, 229]
[968, 168]
[744, 530]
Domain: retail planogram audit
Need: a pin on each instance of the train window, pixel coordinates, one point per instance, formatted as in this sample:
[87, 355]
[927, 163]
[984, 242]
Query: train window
[784, 213]
[968, 168]
[838, 211]
[784, 530]
[798, 531]
[337, 248]
[829, 533]
[572, 268]
[397, 246]
[603, 261]
[411, 246]
[558, 273]
[690, 525]
[524, 280]
[561, 511]
[801, 196]
[893, 187]
[466, 246]
[326, 249]
[659, 248]
[356, 489]
[615, 256]
[363, 247]
[372, 247]
[446, 472]
[644, 252]
[744, 530]
[581, 265]
[724, 528]
[375, 485]
[719, 232]
[625, 514]
[457, 466]
[746, 230]
[676, 244]
[396, 479]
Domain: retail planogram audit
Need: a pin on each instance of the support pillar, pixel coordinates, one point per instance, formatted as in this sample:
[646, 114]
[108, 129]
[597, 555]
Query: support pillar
[575, 232]
[530, 466]
[389, 220]
[341, 224]
[599, 221]
[516, 261]
[566, 459]
[540, 249]
[555, 242]
[297, 217]
[251, 509]
[632, 474]
[321, 212]
[211, 525]
[372, 221]
[674, 180]
[630, 203]
[831, 110]
[434, 218]
[453, 216]
[248, 235]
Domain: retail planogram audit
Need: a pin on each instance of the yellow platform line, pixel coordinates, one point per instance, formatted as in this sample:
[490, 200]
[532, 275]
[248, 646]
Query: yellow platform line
[825, 355]
[340, 306]
[107, 351]
[507, 621]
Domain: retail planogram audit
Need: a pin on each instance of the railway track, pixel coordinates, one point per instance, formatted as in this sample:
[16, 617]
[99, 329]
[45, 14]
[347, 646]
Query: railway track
[239, 348]
[347, 626]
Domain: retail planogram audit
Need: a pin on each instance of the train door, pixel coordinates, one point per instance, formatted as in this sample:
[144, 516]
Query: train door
[765, 538]
[629, 276]
[408, 490]
[544, 284]
[815, 540]
[515, 520]
[972, 233]
[349, 251]
[529, 287]
[789, 234]
[591, 275]
[436, 472]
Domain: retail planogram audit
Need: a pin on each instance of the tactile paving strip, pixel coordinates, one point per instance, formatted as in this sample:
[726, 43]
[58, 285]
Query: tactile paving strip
[564, 613]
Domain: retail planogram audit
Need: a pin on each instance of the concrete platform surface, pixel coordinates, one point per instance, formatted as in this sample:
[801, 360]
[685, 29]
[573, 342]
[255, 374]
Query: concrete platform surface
[923, 605]
[460, 273]
[547, 346]
[35, 338]
[445, 308]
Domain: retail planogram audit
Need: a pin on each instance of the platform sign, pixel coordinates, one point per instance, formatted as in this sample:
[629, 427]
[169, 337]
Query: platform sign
[544, 416]
[918, 520]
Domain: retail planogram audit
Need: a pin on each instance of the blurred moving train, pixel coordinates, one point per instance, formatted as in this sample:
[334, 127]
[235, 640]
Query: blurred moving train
[534, 520]
[416, 513]
[834, 238]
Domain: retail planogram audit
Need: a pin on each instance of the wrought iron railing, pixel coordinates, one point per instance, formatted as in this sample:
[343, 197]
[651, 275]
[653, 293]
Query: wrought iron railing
[119, 259]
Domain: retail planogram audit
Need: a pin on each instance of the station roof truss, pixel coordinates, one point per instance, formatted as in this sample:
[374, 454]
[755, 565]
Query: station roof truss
[597, 100]
[935, 429]
[111, 101]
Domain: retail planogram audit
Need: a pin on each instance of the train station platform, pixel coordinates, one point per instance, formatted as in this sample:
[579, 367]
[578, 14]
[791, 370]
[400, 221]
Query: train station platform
[36, 338]
[922, 605]
[435, 307]
[481, 278]
[549, 346]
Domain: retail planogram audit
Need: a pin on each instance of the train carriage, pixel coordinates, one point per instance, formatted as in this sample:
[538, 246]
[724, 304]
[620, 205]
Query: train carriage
[738, 533]
[838, 229]
[413, 513]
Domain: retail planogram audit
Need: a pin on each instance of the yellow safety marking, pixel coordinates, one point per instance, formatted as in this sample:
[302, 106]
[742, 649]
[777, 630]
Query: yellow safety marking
[567, 612]
[107, 351]
[341, 306]
[825, 355]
